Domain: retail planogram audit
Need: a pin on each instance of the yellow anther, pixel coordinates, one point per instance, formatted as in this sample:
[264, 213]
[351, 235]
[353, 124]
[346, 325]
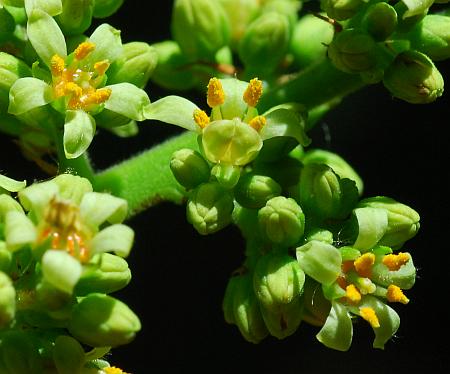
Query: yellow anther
[352, 294]
[370, 316]
[363, 264]
[83, 50]
[215, 95]
[201, 118]
[73, 88]
[57, 65]
[99, 96]
[258, 122]
[113, 370]
[101, 67]
[253, 92]
[396, 295]
[395, 262]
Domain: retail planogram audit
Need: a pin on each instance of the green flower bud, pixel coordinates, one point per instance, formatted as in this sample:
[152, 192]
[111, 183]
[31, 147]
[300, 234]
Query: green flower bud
[11, 69]
[432, 37]
[380, 20]
[172, 70]
[265, 43]
[413, 77]
[319, 234]
[102, 321]
[189, 168]
[284, 321]
[285, 171]
[241, 307]
[53, 302]
[277, 280]
[253, 191]
[5, 257]
[19, 354]
[322, 194]
[76, 16]
[282, 221]
[341, 9]
[353, 51]
[135, 66]
[209, 208]
[403, 221]
[334, 161]
[320, 260]
[239, 20]
[105, 273]
[200, 27]
[289, 9]
[106, 8]
[7, 300]
[226, 174]
[309, 41]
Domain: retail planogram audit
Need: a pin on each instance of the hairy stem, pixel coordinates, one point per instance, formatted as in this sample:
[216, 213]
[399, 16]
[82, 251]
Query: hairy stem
[146, 179]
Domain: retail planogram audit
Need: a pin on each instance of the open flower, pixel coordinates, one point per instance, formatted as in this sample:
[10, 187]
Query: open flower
[234, 132]
[360, 285]
[74, 84]
[65, 227]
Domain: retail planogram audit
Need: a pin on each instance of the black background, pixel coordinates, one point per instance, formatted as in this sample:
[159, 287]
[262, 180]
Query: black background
[400, 150]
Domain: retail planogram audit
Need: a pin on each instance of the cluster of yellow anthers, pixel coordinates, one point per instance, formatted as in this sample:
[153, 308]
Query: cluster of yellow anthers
[355, 280]
[77, 82]
[216, 97]
[63, 229]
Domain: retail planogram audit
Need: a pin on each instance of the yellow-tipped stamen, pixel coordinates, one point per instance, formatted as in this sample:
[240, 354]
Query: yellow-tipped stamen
[99, 96]
[363, 264]
[258, 122]
[113, 370]
[396, 295]
[370, 316]
[395, 262]
[253, 92]
[83, 50]
[201, 118]
[73, 88]
[215, 95]
[101, 67]
[57, 65]
[352, 294]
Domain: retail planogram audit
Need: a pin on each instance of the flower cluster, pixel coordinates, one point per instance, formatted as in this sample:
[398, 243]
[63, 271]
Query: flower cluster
[62, 249]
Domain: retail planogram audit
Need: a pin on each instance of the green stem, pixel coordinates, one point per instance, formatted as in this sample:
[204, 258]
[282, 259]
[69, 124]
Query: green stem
[146, 179]
[315, 86]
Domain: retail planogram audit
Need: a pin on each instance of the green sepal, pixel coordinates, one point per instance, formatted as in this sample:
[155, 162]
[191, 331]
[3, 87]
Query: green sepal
[108, 45]
[226, 174]
[106, 8]
[285, 122]
[19, 230]
[332, 291]
[116, 238]
[79, 130]
[128, 100]
[36, 197]
[96, 208]
[337, 332]
[45, 36]
[231, 141]
[126, 131]
[51, 7]
[61, 270]
[320, 260]
[8, 204]
[28, 93]
[349, 253]
[10, 184]
[68, 355]
[174, 110]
